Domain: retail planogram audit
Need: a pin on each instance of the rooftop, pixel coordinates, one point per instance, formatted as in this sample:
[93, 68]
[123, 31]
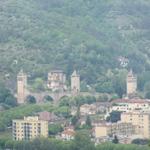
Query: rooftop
[135, 113]
[140, 101]
[69, 132]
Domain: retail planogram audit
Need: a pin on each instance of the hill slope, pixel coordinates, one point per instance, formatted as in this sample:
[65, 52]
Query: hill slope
[87, 35]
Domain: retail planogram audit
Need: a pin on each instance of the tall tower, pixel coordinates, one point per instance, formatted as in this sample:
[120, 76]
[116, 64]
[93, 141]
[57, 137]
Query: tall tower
[21, 87]
[75, 82]
[131, 83]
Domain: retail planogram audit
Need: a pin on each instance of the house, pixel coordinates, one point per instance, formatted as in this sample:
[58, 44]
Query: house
[47, 116]
[68, 134]
[110, 129]
[102, 107]
[87, 109]
[126, 105]
[29, 128]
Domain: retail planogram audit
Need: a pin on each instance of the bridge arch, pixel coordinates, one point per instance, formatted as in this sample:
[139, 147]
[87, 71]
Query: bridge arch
[48, 98]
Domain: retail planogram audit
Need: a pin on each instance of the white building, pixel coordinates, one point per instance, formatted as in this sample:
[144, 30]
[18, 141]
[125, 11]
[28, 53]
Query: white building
[68, 135]
[125, 105]
[87, 109]
[57, 80]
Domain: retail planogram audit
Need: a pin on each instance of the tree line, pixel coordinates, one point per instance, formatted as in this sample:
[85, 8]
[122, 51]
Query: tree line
[81, 141]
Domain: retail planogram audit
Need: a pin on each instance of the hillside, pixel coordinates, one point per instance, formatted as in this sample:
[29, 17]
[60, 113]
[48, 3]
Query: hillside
[91, 36]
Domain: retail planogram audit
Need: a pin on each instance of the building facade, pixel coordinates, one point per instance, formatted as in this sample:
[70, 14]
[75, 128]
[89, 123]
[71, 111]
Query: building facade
[29, 128]
[87, 109]
[75, 82]
[131, 83]
[68, 135]
[130, 105]
[57, 80]
[141, 121]
[21, 87]
[111, 129]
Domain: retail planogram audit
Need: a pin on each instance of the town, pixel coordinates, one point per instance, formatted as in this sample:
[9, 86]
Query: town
[123, 120]
[74, 74]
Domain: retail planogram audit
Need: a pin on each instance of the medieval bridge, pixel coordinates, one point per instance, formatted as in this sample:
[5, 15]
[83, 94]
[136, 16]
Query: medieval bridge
[56, 96]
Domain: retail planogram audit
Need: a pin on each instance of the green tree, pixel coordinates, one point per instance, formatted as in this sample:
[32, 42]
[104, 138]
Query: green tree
[115, 140]
[64, 101]
[82, 141]
[119, 83]
[89, 99]
[140, 141]
[88, 122]
[11, 100]
[74, 120]
[38, 84]
[63, 111]
[114, 116]
[103, 98]
[6, 97]
[54, 129]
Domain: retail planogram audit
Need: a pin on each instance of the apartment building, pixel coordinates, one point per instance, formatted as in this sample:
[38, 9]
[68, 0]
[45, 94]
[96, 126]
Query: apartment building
[29, 128]
[141, 121]
[111, 129]
[68, 134]
[126, 105]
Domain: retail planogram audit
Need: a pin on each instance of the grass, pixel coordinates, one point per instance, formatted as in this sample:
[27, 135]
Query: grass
[19, 112]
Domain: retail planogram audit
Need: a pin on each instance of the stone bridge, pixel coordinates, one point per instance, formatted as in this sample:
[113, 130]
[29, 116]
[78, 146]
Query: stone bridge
[56, 96]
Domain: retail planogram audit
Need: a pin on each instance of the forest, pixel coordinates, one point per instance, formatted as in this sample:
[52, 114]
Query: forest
[102, 39]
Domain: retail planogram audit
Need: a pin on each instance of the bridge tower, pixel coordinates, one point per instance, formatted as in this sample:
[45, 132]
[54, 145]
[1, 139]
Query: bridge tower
[131, 83]
[75, 82]
[21, 87]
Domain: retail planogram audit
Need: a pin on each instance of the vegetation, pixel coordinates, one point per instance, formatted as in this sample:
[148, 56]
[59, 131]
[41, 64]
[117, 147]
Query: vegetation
[98, 38]
[140, 141]
[64, 101]
[6, 97]
[114, 116]
[63, 111]
[80, 100]
[55, 129]
[115, 140]
[102, 39]
[20, 112]
[88, 122]
[81, 142]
